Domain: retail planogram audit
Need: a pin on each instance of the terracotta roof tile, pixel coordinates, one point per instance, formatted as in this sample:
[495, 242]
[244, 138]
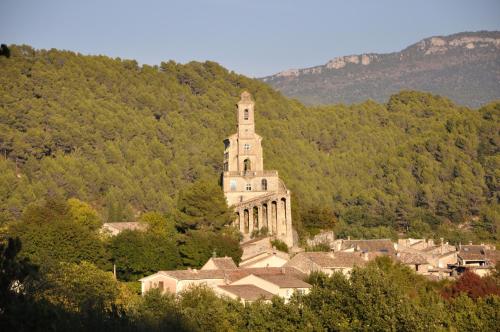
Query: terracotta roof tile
[472, 252]
[326, 260]
[493, 256]
[224, 263]
[237, 274]
[231, 275]
[247, 292]
[194, 274]
[376, 245]
[411, 258]
[284, 280]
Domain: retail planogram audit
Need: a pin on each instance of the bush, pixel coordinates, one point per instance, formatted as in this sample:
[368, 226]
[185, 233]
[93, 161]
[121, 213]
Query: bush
[279, 245]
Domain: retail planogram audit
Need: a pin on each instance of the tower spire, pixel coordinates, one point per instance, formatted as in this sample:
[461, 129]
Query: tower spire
[246, 120]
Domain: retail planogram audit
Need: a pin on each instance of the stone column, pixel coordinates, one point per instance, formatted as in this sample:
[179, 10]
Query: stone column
[289, 230]
[261, 216]
[280, 216]
[266, 216]
[241, 214]
[272, 220]
[250, 220]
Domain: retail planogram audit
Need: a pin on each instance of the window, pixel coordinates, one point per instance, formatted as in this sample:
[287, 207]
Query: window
[248, 187]
[232, 184]
[247, 165]
[245, 114]
[226, 155]
[226, 167]
[246, 147]
[264, 184]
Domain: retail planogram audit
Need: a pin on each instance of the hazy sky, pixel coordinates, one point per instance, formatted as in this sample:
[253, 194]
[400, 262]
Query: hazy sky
[252, 37]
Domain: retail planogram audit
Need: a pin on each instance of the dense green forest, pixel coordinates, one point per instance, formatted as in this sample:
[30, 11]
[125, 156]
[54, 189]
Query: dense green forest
[127, 139]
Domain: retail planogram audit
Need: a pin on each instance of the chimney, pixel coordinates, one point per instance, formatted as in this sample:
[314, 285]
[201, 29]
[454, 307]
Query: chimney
[348, 238]
[470, 243]
[365, 256]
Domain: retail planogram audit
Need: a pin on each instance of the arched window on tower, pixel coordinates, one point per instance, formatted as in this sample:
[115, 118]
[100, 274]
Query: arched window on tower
[245, 114]
[247, 165]
[264, 184]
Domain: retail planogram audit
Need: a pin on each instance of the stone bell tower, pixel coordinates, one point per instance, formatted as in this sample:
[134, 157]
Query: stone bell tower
[259, 197]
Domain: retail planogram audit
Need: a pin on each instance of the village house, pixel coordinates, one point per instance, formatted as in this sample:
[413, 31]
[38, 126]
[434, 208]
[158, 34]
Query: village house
[480, 259]
[244, 293]
[177, 280]
[283, 285]
[269, 258]
[327, 262]
[375, 246]
[414, 261]
[219, 263]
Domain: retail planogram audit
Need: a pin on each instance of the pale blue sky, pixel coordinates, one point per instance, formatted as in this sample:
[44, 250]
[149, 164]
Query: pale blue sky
[252, 37]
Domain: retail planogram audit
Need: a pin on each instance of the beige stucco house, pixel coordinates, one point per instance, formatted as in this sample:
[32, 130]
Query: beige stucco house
[178, 280]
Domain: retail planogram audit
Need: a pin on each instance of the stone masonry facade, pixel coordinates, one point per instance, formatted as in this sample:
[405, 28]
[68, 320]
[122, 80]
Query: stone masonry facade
[259, 198]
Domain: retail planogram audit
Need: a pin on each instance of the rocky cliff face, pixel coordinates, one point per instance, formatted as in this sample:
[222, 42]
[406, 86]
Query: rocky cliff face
[464, 67]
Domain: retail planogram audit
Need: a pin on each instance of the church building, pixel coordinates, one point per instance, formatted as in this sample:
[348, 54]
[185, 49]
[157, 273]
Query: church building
[259, 198]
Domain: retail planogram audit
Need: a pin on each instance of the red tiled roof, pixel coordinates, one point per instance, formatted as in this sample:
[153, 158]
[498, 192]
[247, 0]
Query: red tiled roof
[238, 274]
[247, 292]
[376, 245]
[194, 274]
[411, 258]
[327, 260]
[224, 263]
[284, 280]
[493, 256]
[472, 253]
[230, 275]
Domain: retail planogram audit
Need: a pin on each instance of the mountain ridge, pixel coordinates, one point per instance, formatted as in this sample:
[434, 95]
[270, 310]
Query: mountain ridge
[464, 67]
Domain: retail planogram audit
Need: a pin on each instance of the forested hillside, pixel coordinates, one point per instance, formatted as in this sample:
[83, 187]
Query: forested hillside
[126, 138]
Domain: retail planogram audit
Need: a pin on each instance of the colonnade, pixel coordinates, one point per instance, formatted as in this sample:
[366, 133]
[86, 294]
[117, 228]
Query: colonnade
[273, 213]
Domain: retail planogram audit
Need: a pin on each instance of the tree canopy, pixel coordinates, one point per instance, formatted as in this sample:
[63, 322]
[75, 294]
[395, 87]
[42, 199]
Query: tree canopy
[128, 139]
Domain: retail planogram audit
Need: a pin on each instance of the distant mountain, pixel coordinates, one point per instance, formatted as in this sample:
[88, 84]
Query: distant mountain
[464, 67]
